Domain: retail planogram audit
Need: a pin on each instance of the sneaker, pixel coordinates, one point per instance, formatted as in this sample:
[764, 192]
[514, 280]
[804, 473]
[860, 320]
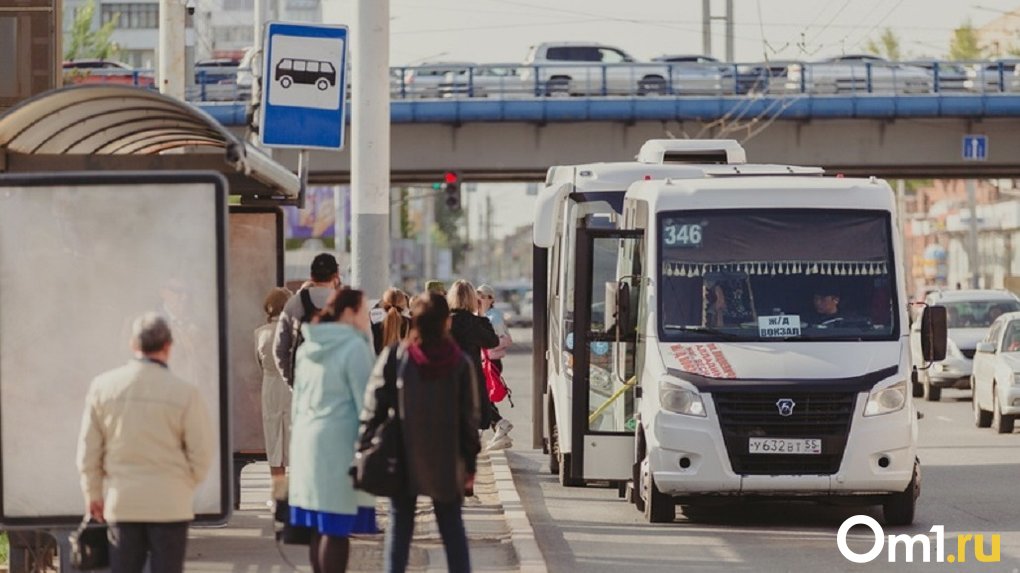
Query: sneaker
[499, 443]
[502, 429]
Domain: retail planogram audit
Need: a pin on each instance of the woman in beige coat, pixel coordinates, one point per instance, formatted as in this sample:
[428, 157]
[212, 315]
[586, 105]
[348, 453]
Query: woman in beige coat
[275, 392]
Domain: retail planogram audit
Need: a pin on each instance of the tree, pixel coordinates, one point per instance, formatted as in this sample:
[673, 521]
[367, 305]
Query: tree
[887, 46]
[87, 42]
[964, 45]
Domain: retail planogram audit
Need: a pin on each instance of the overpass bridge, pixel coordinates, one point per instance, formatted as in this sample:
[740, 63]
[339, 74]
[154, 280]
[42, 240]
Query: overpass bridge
[517, 139]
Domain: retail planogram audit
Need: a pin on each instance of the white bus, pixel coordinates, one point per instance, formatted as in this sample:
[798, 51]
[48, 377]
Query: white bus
[707, 329]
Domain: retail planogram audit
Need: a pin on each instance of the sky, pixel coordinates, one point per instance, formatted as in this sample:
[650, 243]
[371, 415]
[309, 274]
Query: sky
[490, 31]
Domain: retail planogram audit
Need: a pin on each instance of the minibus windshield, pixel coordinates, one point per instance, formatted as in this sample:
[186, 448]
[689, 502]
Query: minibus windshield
[776, 274]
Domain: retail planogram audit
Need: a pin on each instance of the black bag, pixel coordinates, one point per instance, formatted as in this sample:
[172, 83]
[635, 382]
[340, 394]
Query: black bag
[379, 466]
[90, 546]
[289, 534]
[309, 312]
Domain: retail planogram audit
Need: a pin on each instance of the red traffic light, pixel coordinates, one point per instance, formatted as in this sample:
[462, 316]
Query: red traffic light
[450, 177]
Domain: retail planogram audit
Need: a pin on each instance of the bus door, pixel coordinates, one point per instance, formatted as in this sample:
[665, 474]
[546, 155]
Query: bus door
[603, 405]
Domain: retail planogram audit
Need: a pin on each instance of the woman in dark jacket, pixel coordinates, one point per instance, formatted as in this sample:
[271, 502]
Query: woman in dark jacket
[472, 333]
[438, 422]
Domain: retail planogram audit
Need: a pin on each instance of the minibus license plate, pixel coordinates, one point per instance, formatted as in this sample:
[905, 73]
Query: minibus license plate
[784, 446]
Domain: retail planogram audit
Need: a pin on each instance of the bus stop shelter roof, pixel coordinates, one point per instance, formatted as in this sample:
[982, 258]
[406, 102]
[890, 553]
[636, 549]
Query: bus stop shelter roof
[117, 128]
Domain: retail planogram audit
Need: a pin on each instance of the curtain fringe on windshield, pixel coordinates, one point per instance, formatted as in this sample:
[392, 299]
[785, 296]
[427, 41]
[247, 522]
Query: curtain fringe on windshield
[773, 268]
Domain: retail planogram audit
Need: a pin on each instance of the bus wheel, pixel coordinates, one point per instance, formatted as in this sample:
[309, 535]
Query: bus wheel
[285, 82]
[899, 508]
[322, 84]
[659, 507]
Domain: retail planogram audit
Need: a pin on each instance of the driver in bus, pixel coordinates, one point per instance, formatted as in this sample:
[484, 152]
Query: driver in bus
[826, 306]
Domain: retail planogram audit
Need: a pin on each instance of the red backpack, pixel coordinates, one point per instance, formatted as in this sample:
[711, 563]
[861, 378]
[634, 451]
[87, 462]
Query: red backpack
[494, 382]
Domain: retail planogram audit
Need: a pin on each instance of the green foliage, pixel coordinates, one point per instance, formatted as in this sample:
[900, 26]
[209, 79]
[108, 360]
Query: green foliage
[887, 46]
[86, 42]
[5, 550]
[964, 44]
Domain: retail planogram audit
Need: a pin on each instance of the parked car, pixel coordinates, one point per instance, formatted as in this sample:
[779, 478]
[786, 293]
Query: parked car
[970, 313]
[985, 77]
[952, 75]
[697, 74]
[850, 74]
[483, 81]
[423, 81]
[92, 71]
[217, 70]
[589, 68]
[996, 400]
[528, 309]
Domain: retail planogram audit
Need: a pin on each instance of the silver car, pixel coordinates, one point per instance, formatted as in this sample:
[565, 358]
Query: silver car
[857, 74]
[496, 80]
[423, 81]
[970, 313]
[697, 74]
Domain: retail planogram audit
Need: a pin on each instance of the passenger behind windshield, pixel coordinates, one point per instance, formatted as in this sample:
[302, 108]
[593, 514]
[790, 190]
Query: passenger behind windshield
[977, 313]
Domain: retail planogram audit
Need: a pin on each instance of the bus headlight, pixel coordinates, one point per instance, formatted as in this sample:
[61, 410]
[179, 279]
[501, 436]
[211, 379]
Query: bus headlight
[887, 400]
[679, 400]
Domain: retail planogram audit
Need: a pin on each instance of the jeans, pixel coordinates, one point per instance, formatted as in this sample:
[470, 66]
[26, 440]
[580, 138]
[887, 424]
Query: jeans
[163, 543]
[401, 529]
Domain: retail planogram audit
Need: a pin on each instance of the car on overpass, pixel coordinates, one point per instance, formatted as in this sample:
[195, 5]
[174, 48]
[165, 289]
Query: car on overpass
[858, 74]
[96, 71]
[424, 81]
[697, 74]
[970, 313]
[590, 69]
[993, 77]
[497, 80]
[996, 400]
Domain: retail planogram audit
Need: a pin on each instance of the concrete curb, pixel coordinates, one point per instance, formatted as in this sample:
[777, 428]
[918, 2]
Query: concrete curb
[522, 535]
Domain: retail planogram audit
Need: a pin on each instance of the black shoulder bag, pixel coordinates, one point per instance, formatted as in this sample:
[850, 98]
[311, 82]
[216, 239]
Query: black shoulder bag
[90, 546]
[380, 467]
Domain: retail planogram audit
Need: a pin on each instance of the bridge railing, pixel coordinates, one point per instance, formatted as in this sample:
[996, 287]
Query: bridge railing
[511, 80]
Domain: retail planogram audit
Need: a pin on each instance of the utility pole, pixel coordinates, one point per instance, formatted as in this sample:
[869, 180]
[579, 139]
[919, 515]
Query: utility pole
[171, 48]
[429, 221]
[370, 146]
[706, 28]
[972, 251]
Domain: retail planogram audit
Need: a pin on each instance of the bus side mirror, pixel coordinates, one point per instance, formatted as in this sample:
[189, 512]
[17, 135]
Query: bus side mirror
[934, 333]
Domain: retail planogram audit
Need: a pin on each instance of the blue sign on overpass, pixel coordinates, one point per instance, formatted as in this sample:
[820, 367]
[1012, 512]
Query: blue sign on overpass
[975, 147]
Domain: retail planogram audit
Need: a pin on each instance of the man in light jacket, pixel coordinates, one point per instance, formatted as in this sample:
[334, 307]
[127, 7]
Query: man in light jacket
[145, 445]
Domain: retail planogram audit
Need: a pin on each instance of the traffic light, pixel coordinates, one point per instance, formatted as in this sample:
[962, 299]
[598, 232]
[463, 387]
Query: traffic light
[451, 189]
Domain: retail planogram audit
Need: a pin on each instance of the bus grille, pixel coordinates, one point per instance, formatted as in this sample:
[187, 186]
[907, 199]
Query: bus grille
[825, 416]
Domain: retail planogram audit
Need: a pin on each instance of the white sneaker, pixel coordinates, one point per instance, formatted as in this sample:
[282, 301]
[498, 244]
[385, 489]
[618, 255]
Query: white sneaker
[499, 443]
[502, 429]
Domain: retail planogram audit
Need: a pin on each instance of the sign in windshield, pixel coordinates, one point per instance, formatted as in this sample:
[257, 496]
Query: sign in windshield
[774, 274]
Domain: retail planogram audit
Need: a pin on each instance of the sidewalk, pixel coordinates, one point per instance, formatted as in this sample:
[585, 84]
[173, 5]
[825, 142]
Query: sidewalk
[246, 544]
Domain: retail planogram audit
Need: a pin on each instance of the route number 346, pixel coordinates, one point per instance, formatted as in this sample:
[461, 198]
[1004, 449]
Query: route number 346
[682, 235]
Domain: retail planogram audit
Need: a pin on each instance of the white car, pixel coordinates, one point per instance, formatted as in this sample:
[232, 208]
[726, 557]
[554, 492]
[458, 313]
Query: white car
[970, 313]
[850, 74]
[985, 78]
[698, 74]
[590, 69]
[996, 379]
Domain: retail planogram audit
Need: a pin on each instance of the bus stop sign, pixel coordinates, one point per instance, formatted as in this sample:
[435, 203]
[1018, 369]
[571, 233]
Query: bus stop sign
[304, 79]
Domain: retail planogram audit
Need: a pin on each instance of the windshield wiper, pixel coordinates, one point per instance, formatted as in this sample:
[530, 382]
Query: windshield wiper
[704, 330]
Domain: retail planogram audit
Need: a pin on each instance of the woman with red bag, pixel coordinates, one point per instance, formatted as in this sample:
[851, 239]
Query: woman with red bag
[494, 357]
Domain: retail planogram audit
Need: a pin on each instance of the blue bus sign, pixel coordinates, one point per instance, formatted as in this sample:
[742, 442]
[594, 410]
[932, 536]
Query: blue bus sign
[304, 83]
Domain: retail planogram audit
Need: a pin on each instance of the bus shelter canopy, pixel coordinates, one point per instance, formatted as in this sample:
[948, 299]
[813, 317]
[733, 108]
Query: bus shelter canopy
[118, 128]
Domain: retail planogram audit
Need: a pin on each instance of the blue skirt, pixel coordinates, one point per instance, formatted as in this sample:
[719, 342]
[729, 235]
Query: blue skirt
[335, 524]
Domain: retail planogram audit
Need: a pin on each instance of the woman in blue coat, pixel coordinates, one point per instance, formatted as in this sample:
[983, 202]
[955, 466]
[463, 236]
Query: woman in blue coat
[332, 370]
